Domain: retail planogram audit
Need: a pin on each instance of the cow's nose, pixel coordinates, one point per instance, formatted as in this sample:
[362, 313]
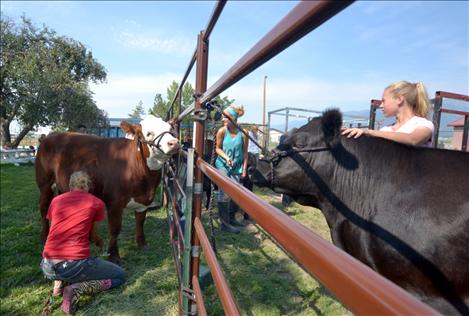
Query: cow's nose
[173, 144]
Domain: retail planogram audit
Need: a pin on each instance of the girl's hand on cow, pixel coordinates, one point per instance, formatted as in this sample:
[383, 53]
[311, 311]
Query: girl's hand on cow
[244, 174]
[354, 132]
[229, 162]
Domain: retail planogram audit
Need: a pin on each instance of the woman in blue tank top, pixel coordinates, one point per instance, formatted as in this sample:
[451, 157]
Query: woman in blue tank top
[232, 161]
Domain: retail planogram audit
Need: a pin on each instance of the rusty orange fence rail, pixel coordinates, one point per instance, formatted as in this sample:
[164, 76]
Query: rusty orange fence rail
[358, 287]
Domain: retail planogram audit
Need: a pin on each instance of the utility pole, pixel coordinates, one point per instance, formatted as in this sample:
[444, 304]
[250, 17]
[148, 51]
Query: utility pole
[264, 128]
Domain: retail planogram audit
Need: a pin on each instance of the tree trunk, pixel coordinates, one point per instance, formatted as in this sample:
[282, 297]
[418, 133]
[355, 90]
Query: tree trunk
[5, 132]
[21, 135]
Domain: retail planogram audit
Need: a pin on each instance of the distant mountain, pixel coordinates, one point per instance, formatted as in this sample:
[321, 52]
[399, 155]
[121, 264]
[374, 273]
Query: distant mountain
[445, 130]
[298, 123]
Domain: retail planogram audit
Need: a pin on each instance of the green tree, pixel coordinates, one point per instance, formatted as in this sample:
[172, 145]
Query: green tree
[224, 102]
[161, 107]
[81, 110]
[43, 78]
[138, 111]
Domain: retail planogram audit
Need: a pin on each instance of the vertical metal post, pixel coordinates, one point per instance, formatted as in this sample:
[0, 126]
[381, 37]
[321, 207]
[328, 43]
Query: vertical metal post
[173, 226]
[267, 135]
[286, 119]
[200, 88]
[371, 122]
[187, 227]
[263, 112]
[436, 118]
[465, 131]
[179, 110]
[374, 105]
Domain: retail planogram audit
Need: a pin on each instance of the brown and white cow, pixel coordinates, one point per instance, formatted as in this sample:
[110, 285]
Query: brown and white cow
[125, 172]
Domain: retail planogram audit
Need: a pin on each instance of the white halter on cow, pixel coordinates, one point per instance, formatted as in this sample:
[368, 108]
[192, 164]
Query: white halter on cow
[158, 138]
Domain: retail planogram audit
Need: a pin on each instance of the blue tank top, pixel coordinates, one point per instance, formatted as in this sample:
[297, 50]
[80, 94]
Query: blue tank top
[233, 148]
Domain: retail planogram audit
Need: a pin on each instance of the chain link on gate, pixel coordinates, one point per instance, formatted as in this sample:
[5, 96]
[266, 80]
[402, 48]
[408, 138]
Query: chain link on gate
[210, 205]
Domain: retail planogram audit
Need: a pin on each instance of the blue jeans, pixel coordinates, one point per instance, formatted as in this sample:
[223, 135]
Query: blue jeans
[222, 196]
[74, 271]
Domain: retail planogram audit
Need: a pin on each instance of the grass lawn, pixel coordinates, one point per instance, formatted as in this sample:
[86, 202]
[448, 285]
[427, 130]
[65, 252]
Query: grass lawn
[263, 279]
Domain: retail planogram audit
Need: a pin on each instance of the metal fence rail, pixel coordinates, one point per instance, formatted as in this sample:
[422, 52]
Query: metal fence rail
[226, 297]
[438, 109]
[361, 289]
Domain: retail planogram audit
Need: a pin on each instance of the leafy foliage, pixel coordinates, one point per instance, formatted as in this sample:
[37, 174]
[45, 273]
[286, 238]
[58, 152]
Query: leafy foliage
[161, 107]
[44, 80]
[138, 111]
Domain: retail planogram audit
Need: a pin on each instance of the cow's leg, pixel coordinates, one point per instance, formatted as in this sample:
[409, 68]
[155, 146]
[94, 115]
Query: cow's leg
[139, 234]
[114, 227]
[46, 196]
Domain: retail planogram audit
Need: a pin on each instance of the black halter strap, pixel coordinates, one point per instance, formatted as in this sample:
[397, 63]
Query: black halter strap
[279, 155]
[157, 139]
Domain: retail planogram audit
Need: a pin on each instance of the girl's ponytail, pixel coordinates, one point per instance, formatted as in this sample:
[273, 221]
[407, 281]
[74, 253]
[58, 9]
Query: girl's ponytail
[422, 104]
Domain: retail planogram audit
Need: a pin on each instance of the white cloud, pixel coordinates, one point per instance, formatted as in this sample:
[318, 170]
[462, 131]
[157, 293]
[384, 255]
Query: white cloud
[154, 43]
[316, 94]
[122, 93]
[308, 93]
[377, 8]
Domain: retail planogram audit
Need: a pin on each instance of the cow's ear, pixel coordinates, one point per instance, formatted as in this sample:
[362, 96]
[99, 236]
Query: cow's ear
[137, 128]
[127, 127]
[331, 122]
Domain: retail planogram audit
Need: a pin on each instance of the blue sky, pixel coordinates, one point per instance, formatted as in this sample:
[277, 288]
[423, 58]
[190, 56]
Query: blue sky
[344, 63]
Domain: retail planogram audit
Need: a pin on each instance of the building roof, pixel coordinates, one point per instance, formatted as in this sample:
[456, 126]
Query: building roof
[458, 123]
[115, 121]
[276, 130]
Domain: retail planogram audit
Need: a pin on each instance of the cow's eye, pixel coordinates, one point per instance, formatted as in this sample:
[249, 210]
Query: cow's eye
[148, 134]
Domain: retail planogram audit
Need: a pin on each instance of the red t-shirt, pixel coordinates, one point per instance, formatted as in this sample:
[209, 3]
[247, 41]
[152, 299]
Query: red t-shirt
[72, 215]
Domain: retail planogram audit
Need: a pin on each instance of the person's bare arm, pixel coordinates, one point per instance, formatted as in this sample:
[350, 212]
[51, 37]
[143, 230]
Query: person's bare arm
[245, 154]
[419, 136]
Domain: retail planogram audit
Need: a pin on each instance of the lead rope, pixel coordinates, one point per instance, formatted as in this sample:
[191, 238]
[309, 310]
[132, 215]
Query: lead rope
[212, 195]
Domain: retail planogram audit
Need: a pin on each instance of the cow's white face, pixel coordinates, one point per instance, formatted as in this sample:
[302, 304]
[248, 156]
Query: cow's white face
[155, 130]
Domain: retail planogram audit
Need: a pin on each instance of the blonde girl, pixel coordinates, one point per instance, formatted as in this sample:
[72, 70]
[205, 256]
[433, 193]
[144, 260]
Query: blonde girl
[409, 103]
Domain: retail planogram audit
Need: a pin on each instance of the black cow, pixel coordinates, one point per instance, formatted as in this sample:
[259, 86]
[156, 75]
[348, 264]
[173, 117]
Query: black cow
[402, 210]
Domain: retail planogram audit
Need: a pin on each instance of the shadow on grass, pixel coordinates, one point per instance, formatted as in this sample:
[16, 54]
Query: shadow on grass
[265, 281]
